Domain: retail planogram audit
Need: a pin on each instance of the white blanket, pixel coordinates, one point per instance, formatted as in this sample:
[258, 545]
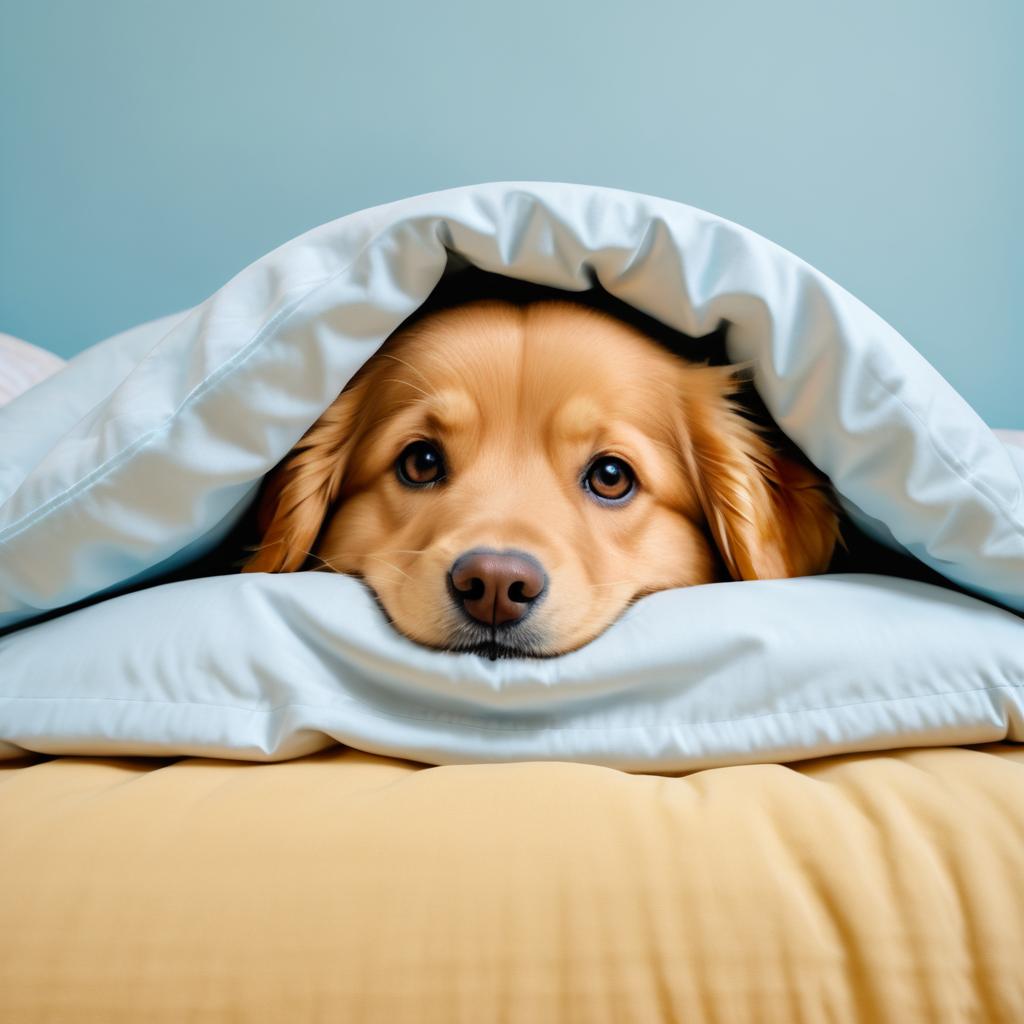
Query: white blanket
[143, 452]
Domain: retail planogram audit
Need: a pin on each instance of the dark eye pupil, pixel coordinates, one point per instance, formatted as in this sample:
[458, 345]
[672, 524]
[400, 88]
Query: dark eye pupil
[420, 463]
[610, 478]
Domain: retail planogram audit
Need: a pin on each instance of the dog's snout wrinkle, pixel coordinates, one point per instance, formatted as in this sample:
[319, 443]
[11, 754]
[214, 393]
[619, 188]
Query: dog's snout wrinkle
[496, 587]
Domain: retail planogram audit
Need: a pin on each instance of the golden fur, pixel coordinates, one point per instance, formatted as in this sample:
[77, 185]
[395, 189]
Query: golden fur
[520, 399]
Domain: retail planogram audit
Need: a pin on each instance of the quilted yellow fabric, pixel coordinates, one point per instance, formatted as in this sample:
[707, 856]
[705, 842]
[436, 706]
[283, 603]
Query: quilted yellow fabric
[349, 887]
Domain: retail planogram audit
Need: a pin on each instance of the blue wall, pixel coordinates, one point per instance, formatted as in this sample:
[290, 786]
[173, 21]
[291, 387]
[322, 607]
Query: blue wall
[151, 150]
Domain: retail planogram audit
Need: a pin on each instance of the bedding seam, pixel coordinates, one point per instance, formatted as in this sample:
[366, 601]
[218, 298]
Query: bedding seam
[375, 712]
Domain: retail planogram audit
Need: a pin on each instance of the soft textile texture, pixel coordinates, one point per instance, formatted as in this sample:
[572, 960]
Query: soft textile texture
[349, 887]
[269, 667]
[22, 366]
[171, 449]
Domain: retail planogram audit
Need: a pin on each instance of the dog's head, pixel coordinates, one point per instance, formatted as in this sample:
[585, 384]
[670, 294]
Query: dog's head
[508, 478]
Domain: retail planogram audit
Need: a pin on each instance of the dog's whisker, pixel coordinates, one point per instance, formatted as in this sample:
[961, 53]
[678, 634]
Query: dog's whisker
[326, 563]
[397, 551]
[374, 578]
[415, 369]
[389, 415]
[257, 548]
[408, 384]
[390, 565]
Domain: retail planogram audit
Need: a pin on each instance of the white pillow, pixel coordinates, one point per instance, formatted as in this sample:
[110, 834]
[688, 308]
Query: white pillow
[169, 453]
[267, 667]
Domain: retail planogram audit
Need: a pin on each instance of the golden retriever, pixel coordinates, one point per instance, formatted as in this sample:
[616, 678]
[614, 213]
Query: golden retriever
[507, 478]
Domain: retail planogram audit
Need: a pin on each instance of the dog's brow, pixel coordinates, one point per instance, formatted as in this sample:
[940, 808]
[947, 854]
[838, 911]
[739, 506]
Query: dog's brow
[451, 410]
[578, 418]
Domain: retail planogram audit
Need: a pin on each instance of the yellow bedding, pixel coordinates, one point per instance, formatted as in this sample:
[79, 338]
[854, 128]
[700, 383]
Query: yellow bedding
[349, 887]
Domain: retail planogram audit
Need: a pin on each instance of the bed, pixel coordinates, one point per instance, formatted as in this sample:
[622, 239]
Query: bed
[500, 858]
[351, 886]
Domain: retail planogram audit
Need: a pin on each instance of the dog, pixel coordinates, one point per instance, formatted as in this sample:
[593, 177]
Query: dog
[508, 478]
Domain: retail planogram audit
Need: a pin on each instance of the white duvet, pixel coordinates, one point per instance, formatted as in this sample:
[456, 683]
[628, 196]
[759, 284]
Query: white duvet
[144, 451]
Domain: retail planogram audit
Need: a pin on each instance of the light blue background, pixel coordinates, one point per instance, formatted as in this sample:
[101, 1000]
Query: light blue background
[151, 150]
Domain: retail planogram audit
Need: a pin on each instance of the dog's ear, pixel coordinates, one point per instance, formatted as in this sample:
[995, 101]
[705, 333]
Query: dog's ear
[297, 495]
[772, 515]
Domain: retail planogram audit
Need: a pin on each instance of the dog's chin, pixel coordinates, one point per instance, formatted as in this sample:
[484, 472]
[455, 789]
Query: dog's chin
[494, 649]
[491, 642]
[494, 642]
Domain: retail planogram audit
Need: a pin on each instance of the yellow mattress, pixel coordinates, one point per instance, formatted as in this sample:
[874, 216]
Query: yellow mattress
[349, 887]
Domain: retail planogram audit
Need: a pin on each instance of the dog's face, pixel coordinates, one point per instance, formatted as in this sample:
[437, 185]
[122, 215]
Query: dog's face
[507, 479]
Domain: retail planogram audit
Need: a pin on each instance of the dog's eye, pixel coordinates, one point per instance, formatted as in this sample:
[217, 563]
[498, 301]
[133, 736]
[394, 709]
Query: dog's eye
[610, 478]
[420, 464]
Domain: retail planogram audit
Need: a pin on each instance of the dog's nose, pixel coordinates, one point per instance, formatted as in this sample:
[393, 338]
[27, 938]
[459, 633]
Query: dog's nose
[495, 587]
